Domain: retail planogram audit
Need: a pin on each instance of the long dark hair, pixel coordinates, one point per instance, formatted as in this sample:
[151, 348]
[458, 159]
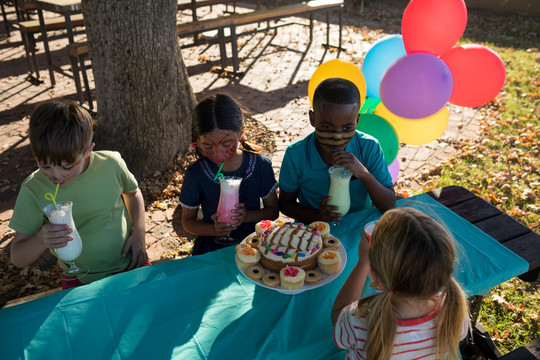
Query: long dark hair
[221, 112]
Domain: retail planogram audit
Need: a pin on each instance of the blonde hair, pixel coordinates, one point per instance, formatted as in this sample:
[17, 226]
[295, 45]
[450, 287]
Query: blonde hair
[413, 255]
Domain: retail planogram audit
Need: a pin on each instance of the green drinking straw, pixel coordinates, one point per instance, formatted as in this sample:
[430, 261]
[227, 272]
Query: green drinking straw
[51, 197]
[219, 172]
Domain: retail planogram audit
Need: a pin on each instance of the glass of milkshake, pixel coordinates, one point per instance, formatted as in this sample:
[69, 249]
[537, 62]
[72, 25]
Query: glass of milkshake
[228, 198]
[340, 178]
[61, 214]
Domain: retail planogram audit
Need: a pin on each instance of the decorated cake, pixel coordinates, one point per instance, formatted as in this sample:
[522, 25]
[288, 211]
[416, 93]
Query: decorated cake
[290, 244]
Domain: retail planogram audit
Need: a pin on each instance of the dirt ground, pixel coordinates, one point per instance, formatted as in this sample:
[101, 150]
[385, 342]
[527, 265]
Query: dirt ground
[277, 67]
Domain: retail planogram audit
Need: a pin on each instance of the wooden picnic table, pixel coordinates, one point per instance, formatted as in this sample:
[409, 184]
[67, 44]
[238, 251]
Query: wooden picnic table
[65, 8]
[502, 227]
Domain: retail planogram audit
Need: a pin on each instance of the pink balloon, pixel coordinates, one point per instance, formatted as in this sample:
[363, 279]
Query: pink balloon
[478, 74]
[393, 169]
[433, 26]
[416, 86]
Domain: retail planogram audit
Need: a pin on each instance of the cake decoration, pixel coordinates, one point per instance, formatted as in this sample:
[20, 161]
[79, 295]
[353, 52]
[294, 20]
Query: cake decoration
[291, 243]
[290, 271]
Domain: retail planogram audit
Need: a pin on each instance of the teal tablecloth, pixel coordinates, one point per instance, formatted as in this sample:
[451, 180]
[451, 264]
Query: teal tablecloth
[202, 307]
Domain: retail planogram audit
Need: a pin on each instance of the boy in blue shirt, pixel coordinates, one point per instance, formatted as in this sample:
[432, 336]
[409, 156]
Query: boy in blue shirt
[304, 179]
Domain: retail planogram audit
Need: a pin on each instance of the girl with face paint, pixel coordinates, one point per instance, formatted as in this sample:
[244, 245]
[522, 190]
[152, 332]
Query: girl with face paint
[215, 136]
[304, 179]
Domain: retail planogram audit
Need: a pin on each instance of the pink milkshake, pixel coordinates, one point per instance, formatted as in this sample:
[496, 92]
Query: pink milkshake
[228, 198]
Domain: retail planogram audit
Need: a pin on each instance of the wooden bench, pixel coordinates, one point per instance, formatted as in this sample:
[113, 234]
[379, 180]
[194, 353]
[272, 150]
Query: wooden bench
[78, 54]
[194, 5]
[530, 351]
[508, 232]
[21, 8]
[235, 20]
[31, 27]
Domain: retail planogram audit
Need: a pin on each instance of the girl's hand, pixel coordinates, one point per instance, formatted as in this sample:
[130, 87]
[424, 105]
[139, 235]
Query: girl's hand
[363, 249]
[242, 214]
[344, 158]
[221, 229]
[55, 236]
[328, 212]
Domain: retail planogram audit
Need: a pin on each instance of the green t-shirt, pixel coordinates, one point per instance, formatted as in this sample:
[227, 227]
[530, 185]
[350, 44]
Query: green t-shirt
[99, 212]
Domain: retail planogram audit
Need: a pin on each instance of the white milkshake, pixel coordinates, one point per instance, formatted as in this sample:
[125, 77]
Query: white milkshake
[62, 215]
[339, 188]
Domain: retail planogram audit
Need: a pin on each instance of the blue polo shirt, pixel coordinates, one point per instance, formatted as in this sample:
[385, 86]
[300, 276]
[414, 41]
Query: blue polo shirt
[304, 170]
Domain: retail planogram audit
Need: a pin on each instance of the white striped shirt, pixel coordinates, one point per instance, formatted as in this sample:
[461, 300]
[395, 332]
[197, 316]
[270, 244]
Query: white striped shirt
[415, 338]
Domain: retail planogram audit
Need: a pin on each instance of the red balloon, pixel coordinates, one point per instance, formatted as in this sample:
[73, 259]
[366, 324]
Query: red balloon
[478, 73]
[433, 26]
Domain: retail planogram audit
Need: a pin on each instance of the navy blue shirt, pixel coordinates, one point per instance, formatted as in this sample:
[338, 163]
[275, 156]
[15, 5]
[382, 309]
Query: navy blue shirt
[200, 189]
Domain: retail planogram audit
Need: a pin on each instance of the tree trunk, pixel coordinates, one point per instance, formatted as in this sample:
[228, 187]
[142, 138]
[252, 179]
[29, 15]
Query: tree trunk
[142, 87]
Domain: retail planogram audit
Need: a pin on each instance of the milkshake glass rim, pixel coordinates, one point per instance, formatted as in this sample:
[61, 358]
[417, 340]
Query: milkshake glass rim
[340, 173]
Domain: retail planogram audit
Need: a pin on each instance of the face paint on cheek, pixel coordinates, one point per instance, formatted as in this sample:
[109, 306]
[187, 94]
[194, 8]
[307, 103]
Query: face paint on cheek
[223, 155]
[230, 151]
[332, 139]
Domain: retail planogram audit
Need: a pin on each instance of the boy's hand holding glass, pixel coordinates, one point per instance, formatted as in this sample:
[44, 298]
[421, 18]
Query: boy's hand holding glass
[61, 214]
[328, 212]
[348, 160]
[55, 236]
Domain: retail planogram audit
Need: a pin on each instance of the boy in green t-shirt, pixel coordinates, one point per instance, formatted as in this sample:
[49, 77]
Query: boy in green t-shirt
[108, 207]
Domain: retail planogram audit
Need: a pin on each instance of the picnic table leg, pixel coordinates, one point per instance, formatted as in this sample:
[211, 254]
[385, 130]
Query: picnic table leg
[75, 68]
[310, 28]
[86, 84]
[46, 46]
[69, 28]
[328, 28]
[222, 49]
[30, 51]
[6, 24]
[234, 50]
[340, 27]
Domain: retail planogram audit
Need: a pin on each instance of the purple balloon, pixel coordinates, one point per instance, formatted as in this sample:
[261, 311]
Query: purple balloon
[393, 169]
[416, 86]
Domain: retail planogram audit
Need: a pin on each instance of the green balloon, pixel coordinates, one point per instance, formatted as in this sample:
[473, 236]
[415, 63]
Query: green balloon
[383, 131]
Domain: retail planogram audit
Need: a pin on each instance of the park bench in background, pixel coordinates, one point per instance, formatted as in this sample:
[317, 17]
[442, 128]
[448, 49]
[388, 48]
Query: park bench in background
[78, 54]
[232, 22]
[31, 27]
[78, 51]
[194, 5]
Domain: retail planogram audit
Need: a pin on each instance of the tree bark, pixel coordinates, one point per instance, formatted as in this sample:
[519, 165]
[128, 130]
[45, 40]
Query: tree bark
[142, 87]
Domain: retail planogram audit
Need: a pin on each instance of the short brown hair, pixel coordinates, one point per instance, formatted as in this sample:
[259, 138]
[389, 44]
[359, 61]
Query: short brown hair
[60, 131]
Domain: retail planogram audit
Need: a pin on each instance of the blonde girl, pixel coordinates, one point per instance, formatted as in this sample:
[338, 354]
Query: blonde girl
[421, 311]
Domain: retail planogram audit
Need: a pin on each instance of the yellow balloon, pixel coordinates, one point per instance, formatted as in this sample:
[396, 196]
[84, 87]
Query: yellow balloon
[416, 131]
[338, 68]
